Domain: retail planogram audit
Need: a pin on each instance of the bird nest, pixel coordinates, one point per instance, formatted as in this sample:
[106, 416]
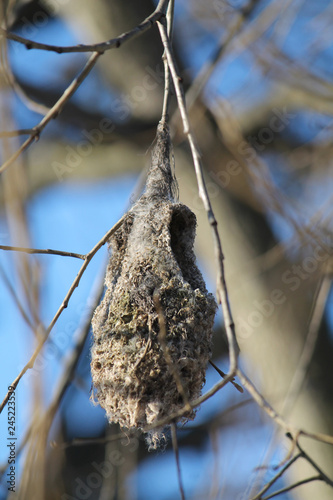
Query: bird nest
[151, 280]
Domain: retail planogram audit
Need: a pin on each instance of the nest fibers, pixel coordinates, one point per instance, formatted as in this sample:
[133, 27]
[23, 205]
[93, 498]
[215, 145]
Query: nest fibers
[152, 262]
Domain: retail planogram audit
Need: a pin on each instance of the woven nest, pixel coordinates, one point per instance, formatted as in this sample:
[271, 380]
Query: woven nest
[152, 261]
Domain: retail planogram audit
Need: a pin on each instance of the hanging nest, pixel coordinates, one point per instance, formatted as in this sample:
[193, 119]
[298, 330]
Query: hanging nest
[152, 262]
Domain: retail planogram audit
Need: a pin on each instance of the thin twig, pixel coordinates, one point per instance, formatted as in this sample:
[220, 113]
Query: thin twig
[15, 133]
[15, 298]
[176, 451]
[46, 251]
[69, 369]
[167, 79]
[310, 343]
[54, 111]
[103, 440]
[276, 477]
[313, 463]
[97, 50]
[169, 18]
[223, 375]
[292, 486]
[222, 292]
[72, 361]
[63, 306]
[85, 441]
[317, 436]
[206, 71]
[166, 98]
[100, 48]
[194, 404]
[12, 82]
[261, 401]
[303, 363]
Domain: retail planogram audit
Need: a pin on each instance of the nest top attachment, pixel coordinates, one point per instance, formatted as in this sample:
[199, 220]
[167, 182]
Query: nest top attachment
[152, 261]
[160, 180]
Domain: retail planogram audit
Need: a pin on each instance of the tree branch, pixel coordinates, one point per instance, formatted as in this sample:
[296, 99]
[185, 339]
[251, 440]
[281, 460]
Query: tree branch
[97, 50]
[63, 306]
[100, 48]
[46, 251]
[222, 292]
[292, 486]
[176, 452]
[54, 111]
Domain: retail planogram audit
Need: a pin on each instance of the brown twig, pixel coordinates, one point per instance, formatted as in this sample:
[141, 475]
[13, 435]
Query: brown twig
[176, 452]
[313, 463]
[12, 82]
[69, 370]
[72, 361]
[54, 111]
[167, 79]
[223, 375]
[292, 486]
[276, 417]
[97, 50]
[222, 292]
[194, 404]
[270, 483]
[46, 251]
[301, 454]
[100, 48]
[261, 401]
[16, 298]
[309, 344]
[317, 436]
[15, 133]
[63, 306]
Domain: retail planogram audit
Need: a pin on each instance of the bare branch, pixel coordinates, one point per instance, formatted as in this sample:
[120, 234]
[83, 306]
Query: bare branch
[15, 298]
[323, 476]
[223, 375]
[221, 284]
[15, 133]
[63, 306]
[69, 369]
[194, 404]
[310, 343]
[97, 50]
[276, 417]
[261, 401]
[46, 251]
[12, 82]
[317, 436]
[54, 111]
[302, 454]
[176, 452]
[100, 48]
[167, 79]
[292, 486]
[270, 483]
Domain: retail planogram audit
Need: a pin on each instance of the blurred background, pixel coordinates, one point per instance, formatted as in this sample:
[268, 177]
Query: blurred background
[259, 87]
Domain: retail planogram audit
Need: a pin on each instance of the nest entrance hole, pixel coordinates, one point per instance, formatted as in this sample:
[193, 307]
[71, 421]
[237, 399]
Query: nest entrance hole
[182, 232]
